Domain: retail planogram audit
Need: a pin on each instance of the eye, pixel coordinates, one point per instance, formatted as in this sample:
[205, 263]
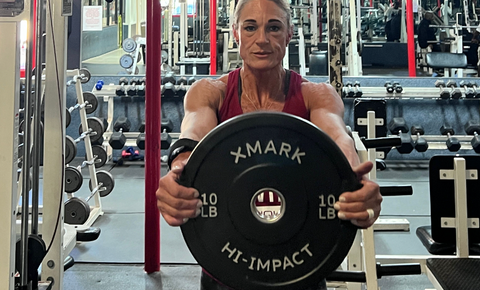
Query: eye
[274, 28]
[249, 28]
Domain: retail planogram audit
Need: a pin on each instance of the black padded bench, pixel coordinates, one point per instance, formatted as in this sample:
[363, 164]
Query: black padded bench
[454, 182]
[440, 60]
[455, 273]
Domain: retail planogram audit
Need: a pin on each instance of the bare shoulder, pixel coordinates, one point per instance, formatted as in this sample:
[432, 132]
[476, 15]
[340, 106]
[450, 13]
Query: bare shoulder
[207, 91]
[321, 95]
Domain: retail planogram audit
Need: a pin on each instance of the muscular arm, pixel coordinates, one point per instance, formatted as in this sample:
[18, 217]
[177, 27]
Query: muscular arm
[326, 111]
[201, 104]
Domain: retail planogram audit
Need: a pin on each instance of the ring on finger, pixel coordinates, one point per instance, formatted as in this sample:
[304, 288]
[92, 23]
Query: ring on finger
[371, 213]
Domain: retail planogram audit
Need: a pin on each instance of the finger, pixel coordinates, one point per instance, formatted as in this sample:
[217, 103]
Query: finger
[169, 186]
[174, 222]
[363, 168]
[177, 202]
[369, 191]
[187, 209]
[351, 206]
[358, 216]
[178, 166]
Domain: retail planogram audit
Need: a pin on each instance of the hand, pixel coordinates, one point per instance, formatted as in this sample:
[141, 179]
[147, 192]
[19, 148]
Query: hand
[353, 205]
[175, 202]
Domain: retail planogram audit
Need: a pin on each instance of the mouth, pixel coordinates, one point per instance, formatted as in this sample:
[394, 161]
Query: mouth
[262, 53]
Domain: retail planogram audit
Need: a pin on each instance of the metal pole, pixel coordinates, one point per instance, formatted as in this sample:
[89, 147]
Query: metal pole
[410, 39]
[152, 131]
[37, 134]
[213, 37]
[26, 149]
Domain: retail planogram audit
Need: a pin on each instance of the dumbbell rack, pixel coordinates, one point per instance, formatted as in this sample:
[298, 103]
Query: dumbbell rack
[96, 210]
[408, 93]
[109, 95]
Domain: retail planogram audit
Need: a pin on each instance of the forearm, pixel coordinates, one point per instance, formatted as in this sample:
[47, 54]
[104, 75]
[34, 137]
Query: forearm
[347, 146]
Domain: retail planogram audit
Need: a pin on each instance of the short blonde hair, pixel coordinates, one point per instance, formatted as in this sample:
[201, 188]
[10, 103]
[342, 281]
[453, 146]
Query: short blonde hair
[283, 4]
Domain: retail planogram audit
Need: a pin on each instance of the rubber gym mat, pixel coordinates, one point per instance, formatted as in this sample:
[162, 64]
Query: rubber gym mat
[131, 277]
[122, 241]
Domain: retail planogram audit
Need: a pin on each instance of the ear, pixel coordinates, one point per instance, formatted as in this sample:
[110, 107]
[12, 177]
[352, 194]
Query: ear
[290, 34]
[235, 33]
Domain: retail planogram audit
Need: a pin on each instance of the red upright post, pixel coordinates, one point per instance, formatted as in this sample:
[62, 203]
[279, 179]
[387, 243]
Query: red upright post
[320, 27]
[152, 135]
[410, 39]
[213, 37]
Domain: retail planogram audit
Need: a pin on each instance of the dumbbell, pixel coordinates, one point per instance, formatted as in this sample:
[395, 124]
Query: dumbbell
[169, 90]
[166, 126]
[397, 87]
[357, 90]
[182, 81]
[455, 92]
[141, 87]
[349, 89]
[469, 92]
[473, 128]
[181, 91]
[165, 140]
[120, 89]
[77, 210]
[398, 126]
[132, 88]
[388, 85]
[453, 144]
[118, 139]
[191, 80]
[90, 104]
[421, 145]
[169, 78]
[476, 89]
[99, 85]
[444, 94]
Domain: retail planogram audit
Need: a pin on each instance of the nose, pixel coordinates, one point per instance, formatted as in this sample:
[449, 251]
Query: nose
[262, 36]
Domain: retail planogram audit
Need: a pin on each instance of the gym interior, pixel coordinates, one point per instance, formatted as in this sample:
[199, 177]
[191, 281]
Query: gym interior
[406, 71]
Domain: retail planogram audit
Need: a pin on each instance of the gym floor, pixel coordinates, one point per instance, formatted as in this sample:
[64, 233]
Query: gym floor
[115, 260]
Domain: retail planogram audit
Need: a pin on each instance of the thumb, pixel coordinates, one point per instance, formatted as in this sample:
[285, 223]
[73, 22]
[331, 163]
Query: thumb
[363, 169]
[177, 167]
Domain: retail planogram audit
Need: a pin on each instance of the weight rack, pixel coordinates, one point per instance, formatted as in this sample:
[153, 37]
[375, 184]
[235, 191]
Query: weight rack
[96, 209]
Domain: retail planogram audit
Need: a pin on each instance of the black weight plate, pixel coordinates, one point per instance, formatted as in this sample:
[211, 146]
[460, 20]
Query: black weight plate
[70, 149]
[73, 179]
[292, 156]
[96, 125]
[86, 76]
[101, 154]
[106, 178]
[68, 118]
[92, 102]
[77, 211]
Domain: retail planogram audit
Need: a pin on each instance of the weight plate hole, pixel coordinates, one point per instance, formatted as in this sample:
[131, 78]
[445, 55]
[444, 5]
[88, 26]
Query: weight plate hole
[268, 205]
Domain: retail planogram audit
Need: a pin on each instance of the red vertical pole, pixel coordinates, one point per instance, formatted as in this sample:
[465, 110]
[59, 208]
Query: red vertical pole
[320, 13]
[213, 37]
[410, 39]
[152, 133]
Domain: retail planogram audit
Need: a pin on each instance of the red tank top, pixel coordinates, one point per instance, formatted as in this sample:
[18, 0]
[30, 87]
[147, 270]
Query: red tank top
[294, 103]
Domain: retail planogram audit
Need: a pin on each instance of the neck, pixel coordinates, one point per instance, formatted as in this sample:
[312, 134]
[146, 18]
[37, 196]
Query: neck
[264, 86]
